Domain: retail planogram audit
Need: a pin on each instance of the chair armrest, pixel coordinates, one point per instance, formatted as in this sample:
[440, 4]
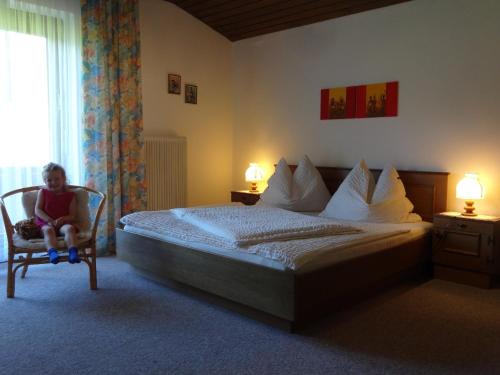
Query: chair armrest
[9, 228]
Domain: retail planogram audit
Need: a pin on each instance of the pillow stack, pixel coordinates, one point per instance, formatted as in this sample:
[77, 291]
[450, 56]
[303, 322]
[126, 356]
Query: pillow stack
[302, 191]
[359, 199]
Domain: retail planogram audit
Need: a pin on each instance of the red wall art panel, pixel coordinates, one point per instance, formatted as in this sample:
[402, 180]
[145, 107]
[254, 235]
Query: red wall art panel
[373, 100]
[338, 103]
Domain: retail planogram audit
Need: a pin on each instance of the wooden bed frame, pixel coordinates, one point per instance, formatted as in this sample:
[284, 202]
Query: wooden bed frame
[289, 298]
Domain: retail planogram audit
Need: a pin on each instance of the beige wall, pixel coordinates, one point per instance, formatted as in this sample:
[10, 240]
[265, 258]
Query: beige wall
[445, 55]
[174, 42]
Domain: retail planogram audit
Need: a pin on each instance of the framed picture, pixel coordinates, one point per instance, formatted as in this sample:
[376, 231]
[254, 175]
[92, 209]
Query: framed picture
[174, 84]
[377, 100]
[338, 103]
[191, 94]
[372, 100]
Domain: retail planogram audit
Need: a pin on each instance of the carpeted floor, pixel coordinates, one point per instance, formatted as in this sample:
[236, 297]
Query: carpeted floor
[56, 325]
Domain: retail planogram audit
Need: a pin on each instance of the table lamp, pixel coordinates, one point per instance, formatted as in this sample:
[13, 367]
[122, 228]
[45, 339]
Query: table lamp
[253, 175]
[469, 189]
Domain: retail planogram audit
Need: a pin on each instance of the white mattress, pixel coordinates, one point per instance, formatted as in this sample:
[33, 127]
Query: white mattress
[310, 260]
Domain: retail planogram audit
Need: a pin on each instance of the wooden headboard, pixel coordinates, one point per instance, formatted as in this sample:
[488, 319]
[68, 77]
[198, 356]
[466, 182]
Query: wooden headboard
[426, 190]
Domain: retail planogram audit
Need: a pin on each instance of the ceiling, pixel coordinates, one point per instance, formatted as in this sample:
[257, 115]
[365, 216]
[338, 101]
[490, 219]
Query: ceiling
[240, 19]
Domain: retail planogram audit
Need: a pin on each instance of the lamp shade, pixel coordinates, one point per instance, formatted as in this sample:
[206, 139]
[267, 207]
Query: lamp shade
[469, 187]
[254, 173]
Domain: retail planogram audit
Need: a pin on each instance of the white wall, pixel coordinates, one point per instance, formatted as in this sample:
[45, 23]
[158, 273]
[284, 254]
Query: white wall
[172, 41]
[445, 55]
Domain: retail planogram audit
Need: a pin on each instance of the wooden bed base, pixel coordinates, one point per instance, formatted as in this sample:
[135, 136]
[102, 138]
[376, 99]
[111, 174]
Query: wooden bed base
[294, 298]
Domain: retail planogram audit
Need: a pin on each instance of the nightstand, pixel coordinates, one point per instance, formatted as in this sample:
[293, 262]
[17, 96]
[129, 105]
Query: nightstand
[466, 249]
[245, 197]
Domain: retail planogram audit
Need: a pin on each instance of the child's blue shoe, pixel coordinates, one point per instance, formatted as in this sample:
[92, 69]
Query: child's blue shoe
[73, 255]
[53, 256]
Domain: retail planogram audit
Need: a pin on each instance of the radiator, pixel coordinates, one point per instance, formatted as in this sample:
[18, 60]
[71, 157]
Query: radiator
[166, 170]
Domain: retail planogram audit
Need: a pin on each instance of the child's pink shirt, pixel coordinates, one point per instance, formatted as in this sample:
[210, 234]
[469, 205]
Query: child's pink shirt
[55, 205]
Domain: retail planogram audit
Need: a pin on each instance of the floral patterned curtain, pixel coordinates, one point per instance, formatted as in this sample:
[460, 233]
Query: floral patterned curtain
[113, 140]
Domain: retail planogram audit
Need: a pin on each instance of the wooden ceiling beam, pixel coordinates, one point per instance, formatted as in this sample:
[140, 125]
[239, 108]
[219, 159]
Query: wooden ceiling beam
[192, 5]
[292, 11]
[288, 23]
[249, 12]
[198, 8]
[239, 19]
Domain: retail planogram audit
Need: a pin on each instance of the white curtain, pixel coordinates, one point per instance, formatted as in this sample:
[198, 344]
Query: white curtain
[40, 94]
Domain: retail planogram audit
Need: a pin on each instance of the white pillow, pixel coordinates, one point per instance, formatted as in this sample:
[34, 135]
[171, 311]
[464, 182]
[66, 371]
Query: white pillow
[279, 187]
[305, 190]
[389, 202]
[350, 201]
[28, 200]
[354, 199]
[82, 209]
[389, 186]
[309, 189]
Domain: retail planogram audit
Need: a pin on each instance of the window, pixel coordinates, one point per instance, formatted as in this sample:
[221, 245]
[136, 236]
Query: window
[40, 94]
[23, 100]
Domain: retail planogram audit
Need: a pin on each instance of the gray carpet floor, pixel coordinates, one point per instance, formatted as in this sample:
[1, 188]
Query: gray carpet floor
[131, 325]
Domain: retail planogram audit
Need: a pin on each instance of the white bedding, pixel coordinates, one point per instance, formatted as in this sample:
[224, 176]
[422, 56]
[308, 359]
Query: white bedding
[290, 254]
[248, 225]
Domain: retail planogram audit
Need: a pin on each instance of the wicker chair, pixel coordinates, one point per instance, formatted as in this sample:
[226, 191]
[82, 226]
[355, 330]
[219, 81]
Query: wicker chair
[21, 251]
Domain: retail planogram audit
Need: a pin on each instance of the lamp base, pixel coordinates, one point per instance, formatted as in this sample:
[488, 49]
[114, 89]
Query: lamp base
[253, 187]
[469, 209]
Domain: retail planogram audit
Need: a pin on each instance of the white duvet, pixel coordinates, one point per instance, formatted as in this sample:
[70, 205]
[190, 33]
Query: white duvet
[248, 225]
[292, 253]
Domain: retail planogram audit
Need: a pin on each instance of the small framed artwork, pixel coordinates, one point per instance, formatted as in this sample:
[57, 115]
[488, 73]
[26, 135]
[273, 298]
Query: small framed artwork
[338, 103]
[372, 100]
[377, 100]
[191, 94]
[174, 84]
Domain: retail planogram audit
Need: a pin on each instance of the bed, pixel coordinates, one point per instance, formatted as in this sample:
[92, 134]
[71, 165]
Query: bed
[293, 298]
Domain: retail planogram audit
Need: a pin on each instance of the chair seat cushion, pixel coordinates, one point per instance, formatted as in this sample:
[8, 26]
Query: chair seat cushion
[37, 244]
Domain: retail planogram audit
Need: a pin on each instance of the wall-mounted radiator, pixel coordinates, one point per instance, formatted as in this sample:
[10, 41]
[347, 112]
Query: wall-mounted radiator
[166, 172]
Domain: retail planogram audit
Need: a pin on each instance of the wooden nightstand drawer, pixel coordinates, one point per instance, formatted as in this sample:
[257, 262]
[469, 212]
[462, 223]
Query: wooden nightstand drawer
[460, 249]
[245, 197]
[464, 225]
[465, 248]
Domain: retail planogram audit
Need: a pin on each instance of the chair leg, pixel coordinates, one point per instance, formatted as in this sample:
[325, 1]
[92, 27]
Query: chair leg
[93, 271]
[26, 264]
[10, 276]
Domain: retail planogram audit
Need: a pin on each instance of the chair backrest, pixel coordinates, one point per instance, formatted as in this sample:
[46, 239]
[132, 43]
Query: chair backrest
[82, 206]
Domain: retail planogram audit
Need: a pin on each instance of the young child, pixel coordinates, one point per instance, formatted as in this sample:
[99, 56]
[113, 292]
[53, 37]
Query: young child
[55, 212]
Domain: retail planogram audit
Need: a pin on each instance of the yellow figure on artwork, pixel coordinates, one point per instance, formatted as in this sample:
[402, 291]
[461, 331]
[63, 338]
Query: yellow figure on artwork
[375, 100]
[337, 104]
